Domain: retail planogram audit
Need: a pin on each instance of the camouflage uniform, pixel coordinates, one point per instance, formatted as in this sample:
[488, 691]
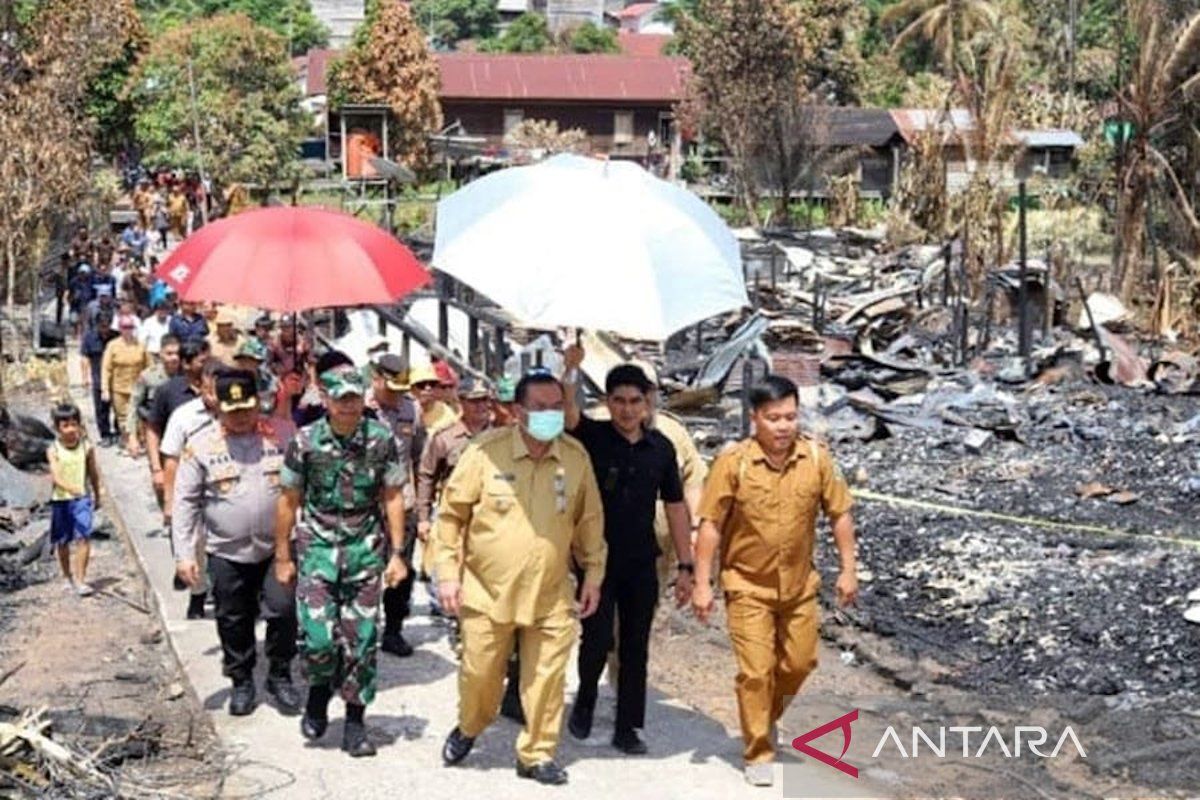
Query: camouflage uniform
[340, 546]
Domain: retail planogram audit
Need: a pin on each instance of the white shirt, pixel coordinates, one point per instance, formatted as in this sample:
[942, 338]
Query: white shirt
[152, 333]
[185, 421]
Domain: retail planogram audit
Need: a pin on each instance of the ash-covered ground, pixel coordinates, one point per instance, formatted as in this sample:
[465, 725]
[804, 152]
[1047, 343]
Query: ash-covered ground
[1005, 605]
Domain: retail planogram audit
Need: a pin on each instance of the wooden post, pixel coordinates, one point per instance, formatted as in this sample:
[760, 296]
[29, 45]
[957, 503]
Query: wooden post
[443, 322]
[1023, 290]
[500, 350]
[747, 380]
[473, 341]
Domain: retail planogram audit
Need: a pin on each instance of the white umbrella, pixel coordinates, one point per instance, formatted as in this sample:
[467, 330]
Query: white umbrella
[593, 244]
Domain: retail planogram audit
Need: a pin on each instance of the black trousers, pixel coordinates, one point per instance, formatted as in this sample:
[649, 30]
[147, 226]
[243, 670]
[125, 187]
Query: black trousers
[397, 602]
[629, 597]
[103, 408]
[239, 591]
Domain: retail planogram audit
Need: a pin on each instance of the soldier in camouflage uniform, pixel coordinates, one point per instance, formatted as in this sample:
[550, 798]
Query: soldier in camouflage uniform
[345, 472]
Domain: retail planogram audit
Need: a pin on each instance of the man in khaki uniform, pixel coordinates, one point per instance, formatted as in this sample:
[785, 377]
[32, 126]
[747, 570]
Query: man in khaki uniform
[521, 503]
[226, 340]
[760, 509]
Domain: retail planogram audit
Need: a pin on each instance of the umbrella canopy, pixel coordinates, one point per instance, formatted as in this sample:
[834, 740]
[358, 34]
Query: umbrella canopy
[292, 259]
[581, 242]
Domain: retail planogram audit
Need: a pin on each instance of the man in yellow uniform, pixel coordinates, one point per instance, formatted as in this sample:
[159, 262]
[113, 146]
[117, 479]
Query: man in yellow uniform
[760, 510]
[520, 505]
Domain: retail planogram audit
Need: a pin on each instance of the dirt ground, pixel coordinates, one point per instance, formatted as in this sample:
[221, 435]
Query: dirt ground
[104, 673]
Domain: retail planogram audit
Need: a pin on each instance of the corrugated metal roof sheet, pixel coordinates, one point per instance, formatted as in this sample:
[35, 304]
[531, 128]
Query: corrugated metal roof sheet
[488, 76]
[1051, 137]
[842, 126]
[636, 10]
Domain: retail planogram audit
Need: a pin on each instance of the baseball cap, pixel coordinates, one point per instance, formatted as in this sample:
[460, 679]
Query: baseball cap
[422, 374]
[341, 381]
[237, 389]
[251, 348]
[393, 370]
[506, 389]
[470, 388]
[225, 317]
[264, 321]
[445, 374]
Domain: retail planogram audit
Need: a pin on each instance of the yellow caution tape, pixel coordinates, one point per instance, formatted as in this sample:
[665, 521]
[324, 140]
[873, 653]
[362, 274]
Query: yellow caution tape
[907, 502]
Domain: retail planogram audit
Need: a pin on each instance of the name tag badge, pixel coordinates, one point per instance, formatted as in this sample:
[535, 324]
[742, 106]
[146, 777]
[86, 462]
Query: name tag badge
[560, 491]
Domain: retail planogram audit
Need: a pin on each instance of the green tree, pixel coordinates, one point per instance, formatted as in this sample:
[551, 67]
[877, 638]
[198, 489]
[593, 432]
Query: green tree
[389, 62]
[230, 80]
[946, 25]
[448, 22]
[591, 38]
[291, 19]
[528, 33]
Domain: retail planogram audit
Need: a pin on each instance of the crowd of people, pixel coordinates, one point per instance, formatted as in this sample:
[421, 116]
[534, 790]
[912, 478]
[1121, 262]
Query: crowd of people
[315, 492]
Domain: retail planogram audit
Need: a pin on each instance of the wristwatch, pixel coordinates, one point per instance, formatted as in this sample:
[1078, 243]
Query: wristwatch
[686, 566]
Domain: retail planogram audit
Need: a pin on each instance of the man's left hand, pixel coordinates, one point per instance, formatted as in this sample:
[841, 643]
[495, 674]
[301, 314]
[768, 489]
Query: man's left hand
[684, 584]
[395, 573]
[847, 588]
[589, 599]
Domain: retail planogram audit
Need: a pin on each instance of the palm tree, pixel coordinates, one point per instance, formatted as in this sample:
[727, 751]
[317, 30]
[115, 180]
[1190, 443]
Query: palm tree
[1164, 79]
[945, 24]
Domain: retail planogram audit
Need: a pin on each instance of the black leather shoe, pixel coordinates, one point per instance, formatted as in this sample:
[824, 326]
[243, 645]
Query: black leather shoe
[510, 707]
[196, 607]
[355, 741]
[629, 743]
[395, 644]
[241, 700]
[547, 773]
[284, 693]
[456, 748]
[580, 721]
[313, 728]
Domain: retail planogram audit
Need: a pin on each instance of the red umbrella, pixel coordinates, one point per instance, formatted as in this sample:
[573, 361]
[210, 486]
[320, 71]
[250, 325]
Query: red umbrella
[292, 259]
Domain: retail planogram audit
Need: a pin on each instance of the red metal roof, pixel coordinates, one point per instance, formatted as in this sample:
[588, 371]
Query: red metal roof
[488, 76]
[315, 65]
[643, 44]
[636, 10]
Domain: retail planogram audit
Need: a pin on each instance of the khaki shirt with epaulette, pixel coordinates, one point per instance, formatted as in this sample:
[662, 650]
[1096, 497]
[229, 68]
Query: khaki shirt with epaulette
[767, 517]
[518, 522]
[228, 486]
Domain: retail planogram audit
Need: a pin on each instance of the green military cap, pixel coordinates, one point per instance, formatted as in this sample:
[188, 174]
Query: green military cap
[251, 348]
[343, 380]
[506, 389]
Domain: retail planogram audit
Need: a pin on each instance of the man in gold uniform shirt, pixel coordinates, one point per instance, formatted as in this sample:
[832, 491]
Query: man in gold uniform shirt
[520, 505]
[760, 510]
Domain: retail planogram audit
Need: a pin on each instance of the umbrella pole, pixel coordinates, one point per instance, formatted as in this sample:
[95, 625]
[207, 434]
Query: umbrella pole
[295, 346]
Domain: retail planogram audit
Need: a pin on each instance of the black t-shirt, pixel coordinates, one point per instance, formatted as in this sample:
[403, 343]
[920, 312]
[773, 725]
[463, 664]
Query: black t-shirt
[168, 397]
[632, 477]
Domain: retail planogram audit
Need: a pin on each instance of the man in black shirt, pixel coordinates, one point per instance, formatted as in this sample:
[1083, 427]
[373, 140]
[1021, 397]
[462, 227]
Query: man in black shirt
[634, 467]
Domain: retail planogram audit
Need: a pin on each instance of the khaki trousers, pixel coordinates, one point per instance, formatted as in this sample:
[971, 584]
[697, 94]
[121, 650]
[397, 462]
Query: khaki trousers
[775, 643]
[120, 404]
[545, 649]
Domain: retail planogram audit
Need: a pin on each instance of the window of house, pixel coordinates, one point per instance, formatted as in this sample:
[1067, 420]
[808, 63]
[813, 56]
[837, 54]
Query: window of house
[623, 127]
[512, 118]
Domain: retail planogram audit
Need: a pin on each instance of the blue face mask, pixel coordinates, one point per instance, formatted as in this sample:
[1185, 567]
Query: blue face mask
[545, 426]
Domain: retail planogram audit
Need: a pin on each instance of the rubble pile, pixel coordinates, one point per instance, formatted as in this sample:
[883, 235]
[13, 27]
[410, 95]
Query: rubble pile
[1023, 521]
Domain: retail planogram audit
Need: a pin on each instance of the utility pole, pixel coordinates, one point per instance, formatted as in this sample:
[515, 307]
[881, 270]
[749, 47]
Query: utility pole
[196, 140]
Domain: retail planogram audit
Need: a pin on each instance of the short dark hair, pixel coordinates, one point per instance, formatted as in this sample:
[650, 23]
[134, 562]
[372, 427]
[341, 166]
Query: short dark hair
[193, 348]
[167, 339]
[65, 412]
[214, 368]
[772, 389]
[535, 377]
[332, 358]
[627, 375]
